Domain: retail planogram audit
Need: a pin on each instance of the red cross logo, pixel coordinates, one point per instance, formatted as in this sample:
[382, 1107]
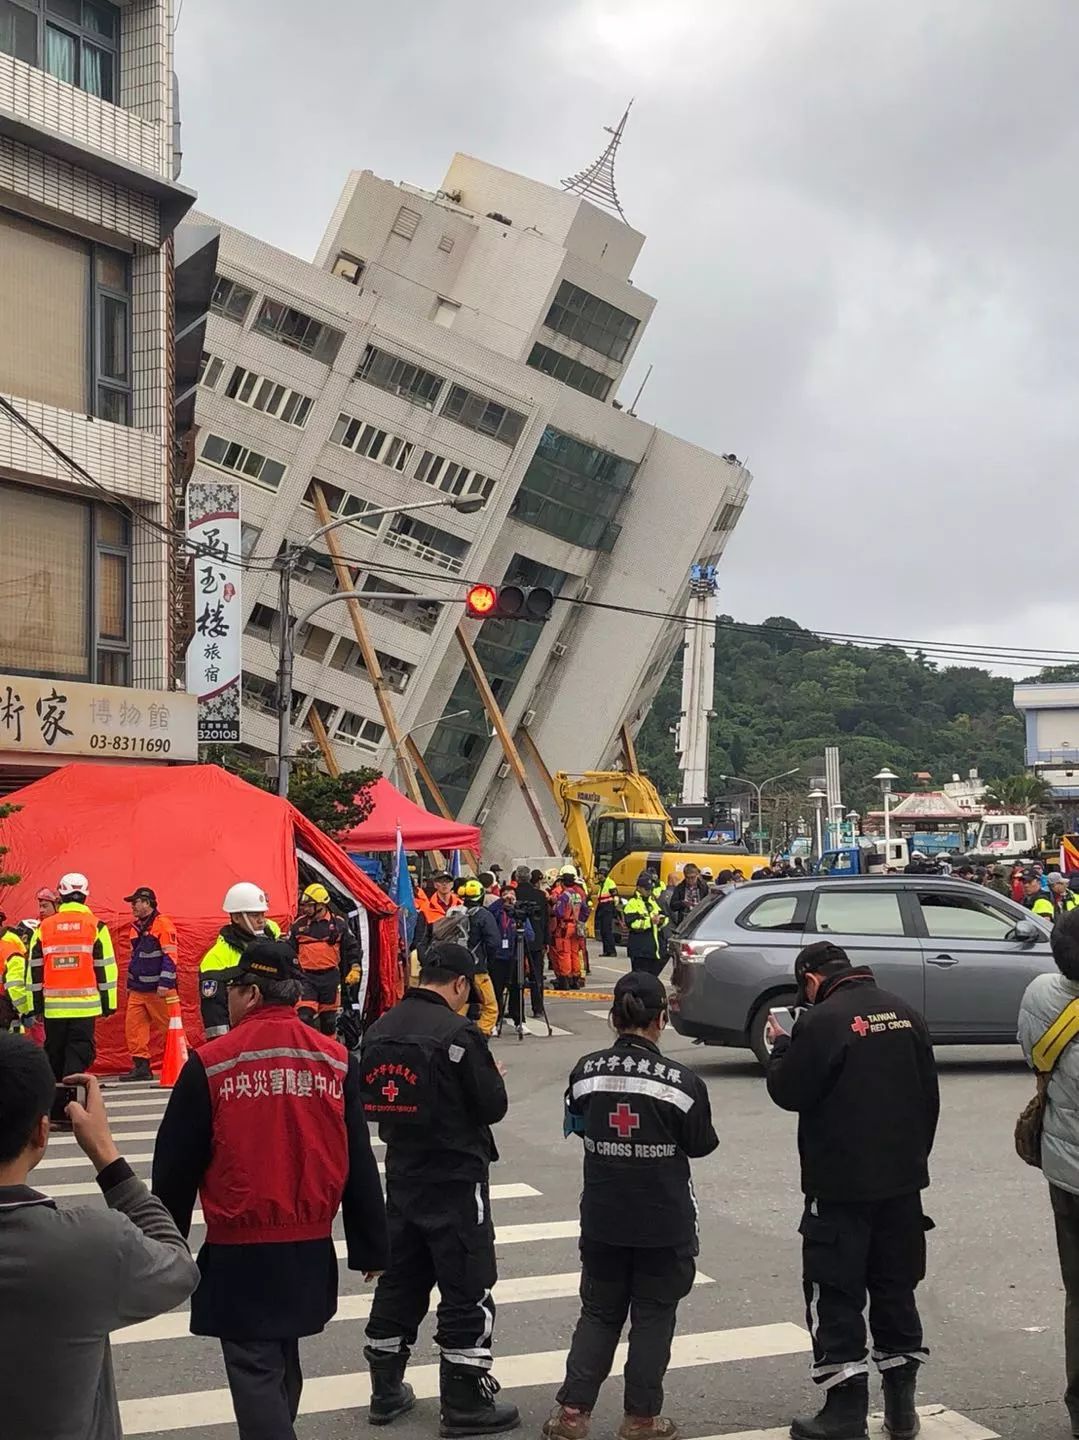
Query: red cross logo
[391, 1092]
[860, 1026]
[624, 1120]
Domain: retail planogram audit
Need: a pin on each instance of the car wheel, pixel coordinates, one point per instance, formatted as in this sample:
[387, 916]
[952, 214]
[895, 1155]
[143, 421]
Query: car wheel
[757, 1043]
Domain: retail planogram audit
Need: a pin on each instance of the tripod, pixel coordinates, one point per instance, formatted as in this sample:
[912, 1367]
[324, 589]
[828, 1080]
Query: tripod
[511, 995]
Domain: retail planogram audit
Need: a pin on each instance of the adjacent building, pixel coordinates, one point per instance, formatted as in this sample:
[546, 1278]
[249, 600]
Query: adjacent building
[464, 342]
[88, 202]
[1050, 711]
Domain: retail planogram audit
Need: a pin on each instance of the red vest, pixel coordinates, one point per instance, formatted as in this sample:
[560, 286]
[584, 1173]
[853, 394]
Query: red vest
[279, 1161]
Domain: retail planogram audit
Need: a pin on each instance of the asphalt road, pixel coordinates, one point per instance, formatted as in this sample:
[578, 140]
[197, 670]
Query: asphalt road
[992, 1302]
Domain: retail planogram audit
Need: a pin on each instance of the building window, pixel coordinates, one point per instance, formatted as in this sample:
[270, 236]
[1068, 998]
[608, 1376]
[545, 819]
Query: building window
[66, 308]
[231, 455]
[427, 542]
[728, 516]
[401, 605]
[591, 321]
[210, 369]
[259, 694]
[340, 502]
[65, 600]
[349, 268]
[262, 623]
[574, 491]
[231, 299]
[487, 417]
[355, 730]
[400, 377]
[570, 372]
[445, 312]
[453, 478]
[312, 642]
[371, 442]
[249, 538]
[247, 388]
[406, 224]
[299, 331]
[77, 41]
[348, 658]
[315, 568]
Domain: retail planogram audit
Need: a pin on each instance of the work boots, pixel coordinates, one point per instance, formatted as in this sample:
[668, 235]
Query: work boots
[567, 1423]
[900, 1416]
[844, 1415]
[647, 1427]
[390, 1396]
[469, 1406]
[140, 1070]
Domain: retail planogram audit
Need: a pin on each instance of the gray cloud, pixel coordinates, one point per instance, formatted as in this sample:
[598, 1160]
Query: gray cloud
[861, 223]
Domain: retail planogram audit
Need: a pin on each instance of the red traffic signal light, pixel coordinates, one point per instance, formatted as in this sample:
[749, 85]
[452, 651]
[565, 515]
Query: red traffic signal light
[481, 601]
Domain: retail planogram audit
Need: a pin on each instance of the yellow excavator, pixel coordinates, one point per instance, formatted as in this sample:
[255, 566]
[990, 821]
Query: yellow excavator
[615, 821]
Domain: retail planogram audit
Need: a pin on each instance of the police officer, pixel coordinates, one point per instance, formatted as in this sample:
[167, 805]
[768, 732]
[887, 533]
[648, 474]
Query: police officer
[1037, 900]
[329, 956]
[607, 901]
[645, 922]
[245, 904]
[642, 1119]
[431, 1083]
[858, 1069]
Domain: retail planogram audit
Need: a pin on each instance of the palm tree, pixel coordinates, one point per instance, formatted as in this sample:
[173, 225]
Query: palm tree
[1019, 794]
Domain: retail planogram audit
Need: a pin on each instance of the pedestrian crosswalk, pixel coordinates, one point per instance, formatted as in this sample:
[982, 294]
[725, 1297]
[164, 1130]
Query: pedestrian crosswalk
[536, 1296]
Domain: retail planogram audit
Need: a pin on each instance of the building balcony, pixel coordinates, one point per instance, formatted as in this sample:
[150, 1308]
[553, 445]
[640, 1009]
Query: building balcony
[396, 541]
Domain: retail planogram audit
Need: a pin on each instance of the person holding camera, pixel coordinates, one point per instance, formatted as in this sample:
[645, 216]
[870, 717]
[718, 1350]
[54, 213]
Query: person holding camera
[858, 1070]
[72, 1276]
[509, 974]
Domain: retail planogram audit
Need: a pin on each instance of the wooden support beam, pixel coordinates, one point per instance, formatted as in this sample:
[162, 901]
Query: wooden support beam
[436, 794]
[531, 749]
[629, 752]
[318, 730]
[509, 749]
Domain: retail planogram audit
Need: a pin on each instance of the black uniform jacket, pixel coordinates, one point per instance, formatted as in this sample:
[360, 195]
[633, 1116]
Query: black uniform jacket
[642, 1118]
[432, 1084]
[859, 1071]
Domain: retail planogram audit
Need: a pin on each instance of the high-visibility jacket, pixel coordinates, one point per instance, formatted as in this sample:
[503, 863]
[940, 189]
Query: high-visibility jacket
[1041, 905]
[608, 893]
[644, 920]
[10, 945]
[72, 965]
[17, 982]
[225, 952]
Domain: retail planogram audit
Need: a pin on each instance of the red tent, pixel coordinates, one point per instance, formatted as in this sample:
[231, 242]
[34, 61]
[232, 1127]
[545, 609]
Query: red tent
[189, 832]
[420, 829]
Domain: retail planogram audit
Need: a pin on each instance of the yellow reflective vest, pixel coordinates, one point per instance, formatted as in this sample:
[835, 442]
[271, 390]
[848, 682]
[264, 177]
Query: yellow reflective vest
[223, 955]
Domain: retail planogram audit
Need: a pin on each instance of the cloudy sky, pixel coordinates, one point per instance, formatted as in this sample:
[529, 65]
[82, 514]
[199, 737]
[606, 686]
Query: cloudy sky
[861, 227]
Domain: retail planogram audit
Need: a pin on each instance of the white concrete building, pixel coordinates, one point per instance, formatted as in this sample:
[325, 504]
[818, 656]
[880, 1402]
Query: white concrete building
[88, 201]
[470, 340]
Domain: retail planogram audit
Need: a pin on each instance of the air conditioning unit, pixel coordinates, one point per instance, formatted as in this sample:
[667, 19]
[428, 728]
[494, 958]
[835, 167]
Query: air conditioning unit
[503, 770]
[558, 650]
[481, 816]
[527, 718]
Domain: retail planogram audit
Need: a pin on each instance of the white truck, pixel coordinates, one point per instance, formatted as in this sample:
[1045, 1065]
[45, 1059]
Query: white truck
[1007, 837]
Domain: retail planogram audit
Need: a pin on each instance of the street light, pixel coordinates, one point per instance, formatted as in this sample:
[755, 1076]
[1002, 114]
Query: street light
[286, 563]
[818, 796]
[852, 820]
[426, 725]
[886, 779]
[759, 788]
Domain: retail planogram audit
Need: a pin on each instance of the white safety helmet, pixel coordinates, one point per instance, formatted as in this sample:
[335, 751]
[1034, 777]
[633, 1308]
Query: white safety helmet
[72, 884]
[245, 898]
[570, 871]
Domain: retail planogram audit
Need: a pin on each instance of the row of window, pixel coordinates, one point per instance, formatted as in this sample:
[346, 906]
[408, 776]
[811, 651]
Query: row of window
[423, 387]
[570, 372]
[240, 460]
[574, 490]
[258, 392]
[313, 643]
[372, 443]
[591, 321]
[452, 477]
[344, 726]
[881, 912]
[283, 323]
[316, 568]
[77, 41]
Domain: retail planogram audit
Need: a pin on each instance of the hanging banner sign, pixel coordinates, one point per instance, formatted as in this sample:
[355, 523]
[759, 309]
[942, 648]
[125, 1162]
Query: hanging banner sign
[213, 656]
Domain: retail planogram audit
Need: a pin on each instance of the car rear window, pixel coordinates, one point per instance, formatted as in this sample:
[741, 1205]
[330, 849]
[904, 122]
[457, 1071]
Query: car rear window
[775, 912]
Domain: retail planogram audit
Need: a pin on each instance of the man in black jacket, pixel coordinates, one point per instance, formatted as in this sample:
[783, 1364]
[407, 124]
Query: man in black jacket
[435, 1090]
[532, 906]
[858, 1069]
[688, 894]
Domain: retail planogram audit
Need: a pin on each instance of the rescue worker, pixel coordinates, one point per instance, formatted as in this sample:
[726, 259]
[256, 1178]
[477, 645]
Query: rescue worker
[645, 922]
[17, 984]
[485, 942]
[858, 1070]
[1062, 895]
[11, 945]
[266, 1123]
[245, 905]
[1034, 897]
[433, 1086]
[151, 979]
[48, 902]
[569, 911]
[607, 902]
[441, 897]
[329, 955]
[72, 977]
[687, 894]
[642, 1119]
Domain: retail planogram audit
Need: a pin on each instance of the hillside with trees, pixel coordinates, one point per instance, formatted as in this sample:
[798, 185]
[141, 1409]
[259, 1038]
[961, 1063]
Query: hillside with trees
[782, 694]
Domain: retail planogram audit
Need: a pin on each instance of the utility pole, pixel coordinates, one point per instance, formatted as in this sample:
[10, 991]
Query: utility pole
[698, 684]
[284, 673]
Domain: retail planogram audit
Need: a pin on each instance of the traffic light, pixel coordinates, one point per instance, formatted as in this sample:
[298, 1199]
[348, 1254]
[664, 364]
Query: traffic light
[508, 602]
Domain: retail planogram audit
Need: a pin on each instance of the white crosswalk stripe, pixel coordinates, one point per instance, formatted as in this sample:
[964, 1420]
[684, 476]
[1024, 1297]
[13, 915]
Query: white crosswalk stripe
[937, 1424]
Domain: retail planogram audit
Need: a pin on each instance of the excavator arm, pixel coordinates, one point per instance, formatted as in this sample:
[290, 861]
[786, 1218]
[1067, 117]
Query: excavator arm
[581, 797]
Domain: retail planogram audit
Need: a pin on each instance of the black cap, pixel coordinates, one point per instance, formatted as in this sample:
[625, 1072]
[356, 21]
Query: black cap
[647, 987]
[142, 892]
[1032, 875]
[265, 959]
[442, 875]
[818, 957]
[454, 958]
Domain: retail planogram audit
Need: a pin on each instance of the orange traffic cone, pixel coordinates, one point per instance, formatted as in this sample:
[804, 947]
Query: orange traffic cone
[175, 1045]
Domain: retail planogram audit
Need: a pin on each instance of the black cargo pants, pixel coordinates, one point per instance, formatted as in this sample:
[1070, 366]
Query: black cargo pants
[266, 1383]
[441, 1233]
[645, 1285]
[849, 1249]
[1066, 1217]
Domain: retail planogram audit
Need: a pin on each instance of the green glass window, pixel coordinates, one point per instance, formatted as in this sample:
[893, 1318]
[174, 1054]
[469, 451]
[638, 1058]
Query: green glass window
[574, 491]
[591, 321]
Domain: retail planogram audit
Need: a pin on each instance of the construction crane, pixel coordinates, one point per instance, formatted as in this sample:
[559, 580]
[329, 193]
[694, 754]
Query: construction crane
[698, 684]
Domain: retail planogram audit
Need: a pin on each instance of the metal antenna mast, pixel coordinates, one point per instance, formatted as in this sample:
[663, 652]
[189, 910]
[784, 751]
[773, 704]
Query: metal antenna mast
[698, 684]
[596, 183]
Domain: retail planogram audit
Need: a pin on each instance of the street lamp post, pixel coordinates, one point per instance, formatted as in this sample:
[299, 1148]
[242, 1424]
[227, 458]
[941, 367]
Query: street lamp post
[741, 779]
[426, 725]
[886, 778]
[818, 796]
[465, 505]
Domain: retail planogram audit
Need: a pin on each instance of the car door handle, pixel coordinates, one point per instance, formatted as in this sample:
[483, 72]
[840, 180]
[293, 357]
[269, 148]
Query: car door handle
[943, 961]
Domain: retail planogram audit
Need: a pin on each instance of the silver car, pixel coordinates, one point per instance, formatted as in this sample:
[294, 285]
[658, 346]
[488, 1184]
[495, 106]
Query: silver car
[959, 953]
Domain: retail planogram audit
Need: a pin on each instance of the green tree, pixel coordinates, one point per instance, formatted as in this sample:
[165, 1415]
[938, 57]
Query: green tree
[335, 803]
[6, 878]
[1019, 794]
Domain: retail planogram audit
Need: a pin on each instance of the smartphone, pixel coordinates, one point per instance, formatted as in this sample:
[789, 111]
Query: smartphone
[64, 1096]
[785, 1018]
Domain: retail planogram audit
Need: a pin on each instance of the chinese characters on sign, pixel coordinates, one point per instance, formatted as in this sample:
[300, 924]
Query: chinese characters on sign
[65, 717]
[213, 656]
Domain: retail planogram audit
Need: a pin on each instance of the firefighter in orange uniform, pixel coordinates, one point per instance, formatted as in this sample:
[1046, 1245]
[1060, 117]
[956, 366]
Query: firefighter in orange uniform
[440, 898]
[569, 911]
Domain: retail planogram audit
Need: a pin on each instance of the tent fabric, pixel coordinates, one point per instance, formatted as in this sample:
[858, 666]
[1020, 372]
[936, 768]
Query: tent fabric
[189, 832]
[420, 830]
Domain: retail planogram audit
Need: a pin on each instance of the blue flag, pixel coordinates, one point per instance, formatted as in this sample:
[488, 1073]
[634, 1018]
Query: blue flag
[455, 864]
[401, 893]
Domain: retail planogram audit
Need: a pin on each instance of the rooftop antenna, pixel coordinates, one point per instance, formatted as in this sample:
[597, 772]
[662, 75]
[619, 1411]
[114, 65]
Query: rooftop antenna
[596, 183]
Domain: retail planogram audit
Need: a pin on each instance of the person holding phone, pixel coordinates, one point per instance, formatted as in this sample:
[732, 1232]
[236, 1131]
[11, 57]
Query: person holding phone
[72, 1276]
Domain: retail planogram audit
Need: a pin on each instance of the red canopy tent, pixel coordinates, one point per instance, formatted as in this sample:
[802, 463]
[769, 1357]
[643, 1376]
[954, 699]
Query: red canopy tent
[420, 830]
[189, 832]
